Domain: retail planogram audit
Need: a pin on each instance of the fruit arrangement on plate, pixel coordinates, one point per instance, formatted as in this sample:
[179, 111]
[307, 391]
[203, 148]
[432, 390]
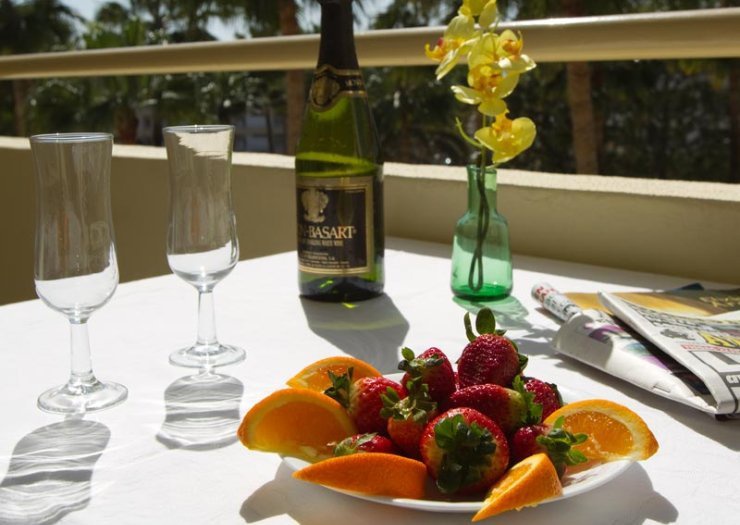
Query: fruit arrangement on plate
[484, 429]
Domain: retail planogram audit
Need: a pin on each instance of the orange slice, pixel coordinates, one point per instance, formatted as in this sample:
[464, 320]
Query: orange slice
[296, 422]
[526, 484]
[614, 431]
[374, 473]
[315, 376]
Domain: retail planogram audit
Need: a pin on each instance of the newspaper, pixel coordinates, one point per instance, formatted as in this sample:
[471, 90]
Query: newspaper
[683, 345]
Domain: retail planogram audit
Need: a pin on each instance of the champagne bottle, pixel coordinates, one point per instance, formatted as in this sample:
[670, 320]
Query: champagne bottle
[339, 174]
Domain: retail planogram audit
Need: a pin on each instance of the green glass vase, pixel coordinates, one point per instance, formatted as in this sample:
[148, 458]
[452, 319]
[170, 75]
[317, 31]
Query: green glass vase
[481, 258]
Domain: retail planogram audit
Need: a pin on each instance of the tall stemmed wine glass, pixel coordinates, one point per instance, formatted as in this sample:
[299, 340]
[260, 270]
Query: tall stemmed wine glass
[202, 247]
[75, 265]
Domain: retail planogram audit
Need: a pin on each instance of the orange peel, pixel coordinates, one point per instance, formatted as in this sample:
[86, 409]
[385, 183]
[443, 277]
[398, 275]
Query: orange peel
[526, 484]
[375, 473]
[614, 431]
[296, 422]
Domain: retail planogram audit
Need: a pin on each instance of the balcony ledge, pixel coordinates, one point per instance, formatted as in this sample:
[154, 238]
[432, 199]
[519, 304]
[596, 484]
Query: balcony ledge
[682, 228]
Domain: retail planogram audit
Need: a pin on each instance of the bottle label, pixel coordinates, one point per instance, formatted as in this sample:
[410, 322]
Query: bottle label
[335, 227]
[331, 84]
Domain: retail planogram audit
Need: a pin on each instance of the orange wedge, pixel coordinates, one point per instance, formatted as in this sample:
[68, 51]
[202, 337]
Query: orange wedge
[296, 422]
[526, 484]
[614, 431]
[316, 375]
[375, 473]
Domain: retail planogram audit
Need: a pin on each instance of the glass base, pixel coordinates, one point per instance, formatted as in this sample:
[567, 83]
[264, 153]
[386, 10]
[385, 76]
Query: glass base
[82, 398]
[207, 356]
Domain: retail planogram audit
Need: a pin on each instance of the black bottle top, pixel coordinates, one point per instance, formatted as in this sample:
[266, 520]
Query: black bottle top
[337, 47]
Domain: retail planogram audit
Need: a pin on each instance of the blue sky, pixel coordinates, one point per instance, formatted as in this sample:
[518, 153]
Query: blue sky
[86, 8]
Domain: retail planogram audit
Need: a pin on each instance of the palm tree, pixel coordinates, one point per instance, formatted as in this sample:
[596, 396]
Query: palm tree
[414, 111]
[115, 99]
[586, 143]
[169, 97]
[32, 27]
[185, 20]
[282, 17]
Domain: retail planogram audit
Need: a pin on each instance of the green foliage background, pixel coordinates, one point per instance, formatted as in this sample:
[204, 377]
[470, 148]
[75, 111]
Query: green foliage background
[655, 119]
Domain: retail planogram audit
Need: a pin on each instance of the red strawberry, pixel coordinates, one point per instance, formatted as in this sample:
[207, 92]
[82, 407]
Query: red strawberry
[506, 407]
[546, 394]
[524, 442]
[464, 451]
[434, 369]
[552, 440]
[362, 399]
[358, 443]
[365, 403]
[408, 417]
[489, 357]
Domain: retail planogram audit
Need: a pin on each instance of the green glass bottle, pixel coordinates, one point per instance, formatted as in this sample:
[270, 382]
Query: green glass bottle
[481, 258]
[339, 174]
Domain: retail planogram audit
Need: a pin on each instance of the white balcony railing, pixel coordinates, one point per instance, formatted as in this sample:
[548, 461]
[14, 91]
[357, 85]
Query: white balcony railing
[706, 33]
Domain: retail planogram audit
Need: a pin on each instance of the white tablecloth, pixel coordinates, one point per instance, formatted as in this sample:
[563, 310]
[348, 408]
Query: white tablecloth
[168, 455]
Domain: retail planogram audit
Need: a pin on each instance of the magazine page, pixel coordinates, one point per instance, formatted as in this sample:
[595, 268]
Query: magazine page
[698, 328]
[595, 338]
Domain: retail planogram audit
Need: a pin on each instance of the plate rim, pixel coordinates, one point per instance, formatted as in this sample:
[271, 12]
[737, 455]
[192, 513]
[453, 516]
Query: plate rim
[613, 470]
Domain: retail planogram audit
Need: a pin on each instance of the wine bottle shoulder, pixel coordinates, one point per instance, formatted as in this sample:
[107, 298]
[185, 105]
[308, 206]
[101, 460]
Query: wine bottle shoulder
[345, 131]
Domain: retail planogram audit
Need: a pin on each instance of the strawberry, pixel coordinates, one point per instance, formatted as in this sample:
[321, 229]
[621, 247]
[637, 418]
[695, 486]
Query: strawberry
[408, 417]
[489, 357]
[506, 407]
[552, 440]
[523, 442]
[434, 369]
[358, 443]
[464, 451]
[362, 399]
[546, 394]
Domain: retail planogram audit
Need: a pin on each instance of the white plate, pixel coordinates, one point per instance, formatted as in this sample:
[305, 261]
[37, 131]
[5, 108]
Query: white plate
[573, 484]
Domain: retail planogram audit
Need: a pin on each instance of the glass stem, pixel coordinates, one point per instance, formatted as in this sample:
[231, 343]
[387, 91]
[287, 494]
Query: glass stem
[206, 319]
[82, 374]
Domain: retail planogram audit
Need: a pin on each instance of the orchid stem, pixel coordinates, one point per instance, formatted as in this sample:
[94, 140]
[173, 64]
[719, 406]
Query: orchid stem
[475, 282]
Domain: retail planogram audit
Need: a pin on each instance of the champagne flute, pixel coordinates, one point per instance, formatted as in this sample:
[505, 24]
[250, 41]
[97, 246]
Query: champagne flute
[202, 247]
[75, 257]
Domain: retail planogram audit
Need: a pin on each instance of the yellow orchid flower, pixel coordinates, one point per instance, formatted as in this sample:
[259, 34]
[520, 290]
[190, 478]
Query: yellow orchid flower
[488, 86]
[487, 79]
[489, 15]
[474, 7]
[495, 63]
[483, 51]
[509, 52]
[507, 138]
[453, 44]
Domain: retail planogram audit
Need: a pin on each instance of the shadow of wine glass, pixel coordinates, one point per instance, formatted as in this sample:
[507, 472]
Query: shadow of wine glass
[202, 411]
[50, 472]
[371, 330]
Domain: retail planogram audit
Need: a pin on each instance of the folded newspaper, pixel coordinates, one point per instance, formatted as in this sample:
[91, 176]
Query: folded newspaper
[681, 344]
